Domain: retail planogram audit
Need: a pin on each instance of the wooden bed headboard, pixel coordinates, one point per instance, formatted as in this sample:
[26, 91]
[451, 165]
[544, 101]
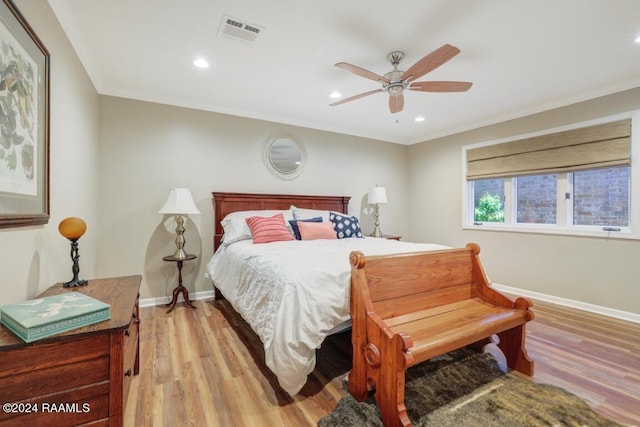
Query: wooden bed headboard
[225, 203]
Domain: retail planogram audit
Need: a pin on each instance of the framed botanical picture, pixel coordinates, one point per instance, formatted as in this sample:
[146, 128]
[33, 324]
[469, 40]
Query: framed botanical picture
[24, 122]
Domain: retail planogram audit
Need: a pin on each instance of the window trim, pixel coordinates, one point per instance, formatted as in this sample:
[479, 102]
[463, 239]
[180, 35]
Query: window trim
[563, 227]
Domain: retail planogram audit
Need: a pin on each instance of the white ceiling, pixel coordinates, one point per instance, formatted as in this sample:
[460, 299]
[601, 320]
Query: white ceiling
[522, 56]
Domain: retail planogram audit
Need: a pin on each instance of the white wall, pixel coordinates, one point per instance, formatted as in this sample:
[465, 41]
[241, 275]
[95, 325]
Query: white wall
[34, 258]
[590, 270]
[147, 148]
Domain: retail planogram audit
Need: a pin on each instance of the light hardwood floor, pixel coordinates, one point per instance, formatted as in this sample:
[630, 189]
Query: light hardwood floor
[205, 367]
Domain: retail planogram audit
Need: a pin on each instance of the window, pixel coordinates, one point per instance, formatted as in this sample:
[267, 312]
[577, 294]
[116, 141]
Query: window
[601, 197]
[536, 198]
[577, 181]
[488, 200]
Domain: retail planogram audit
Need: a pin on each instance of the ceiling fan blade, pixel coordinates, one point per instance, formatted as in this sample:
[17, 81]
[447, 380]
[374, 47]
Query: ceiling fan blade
[440, 86]
[430, 62]
[354, 97]
[362, 72]
[396, 103]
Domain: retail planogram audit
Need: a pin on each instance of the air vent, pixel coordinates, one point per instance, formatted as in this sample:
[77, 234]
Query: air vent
[239, 29]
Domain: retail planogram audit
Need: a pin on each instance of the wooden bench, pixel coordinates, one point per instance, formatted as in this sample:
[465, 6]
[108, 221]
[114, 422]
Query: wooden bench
[409, 308]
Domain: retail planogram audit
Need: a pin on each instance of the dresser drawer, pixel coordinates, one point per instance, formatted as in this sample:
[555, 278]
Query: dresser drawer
[36, 370]
[131, 344]
[62, 411]
[43, 354]
[59, 380]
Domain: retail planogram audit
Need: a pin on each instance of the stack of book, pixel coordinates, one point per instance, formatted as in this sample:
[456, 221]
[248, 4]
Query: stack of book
[43, 317]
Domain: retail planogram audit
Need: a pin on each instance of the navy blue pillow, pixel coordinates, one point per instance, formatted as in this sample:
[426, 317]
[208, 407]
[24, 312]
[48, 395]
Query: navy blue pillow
[294, 225]
[345, 225]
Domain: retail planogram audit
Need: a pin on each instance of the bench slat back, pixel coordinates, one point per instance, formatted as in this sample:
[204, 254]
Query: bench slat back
[404, 283]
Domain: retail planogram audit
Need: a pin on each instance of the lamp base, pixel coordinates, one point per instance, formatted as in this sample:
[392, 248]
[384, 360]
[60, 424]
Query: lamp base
[75, 256]
[376, 232]
[180, 254]
[74, 283]
[376, 228]
[180, 241]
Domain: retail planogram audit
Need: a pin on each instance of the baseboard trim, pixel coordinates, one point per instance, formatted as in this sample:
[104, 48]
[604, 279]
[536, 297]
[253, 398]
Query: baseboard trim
[150, 302]
[592, 308]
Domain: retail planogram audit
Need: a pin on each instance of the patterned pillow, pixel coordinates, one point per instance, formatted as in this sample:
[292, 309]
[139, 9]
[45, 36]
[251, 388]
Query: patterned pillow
[294, 225]
[269, 229]
[316, 230]
[345, 225]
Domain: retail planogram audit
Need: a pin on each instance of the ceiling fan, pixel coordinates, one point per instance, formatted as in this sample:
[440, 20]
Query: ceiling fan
[395, 82]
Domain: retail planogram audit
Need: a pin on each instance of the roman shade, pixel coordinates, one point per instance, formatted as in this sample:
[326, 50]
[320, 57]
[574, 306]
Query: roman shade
[602, 145]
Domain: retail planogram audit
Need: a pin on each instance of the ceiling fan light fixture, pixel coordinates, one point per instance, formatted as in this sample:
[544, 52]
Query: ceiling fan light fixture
[395, 89]
[394, 76]
[419, 119]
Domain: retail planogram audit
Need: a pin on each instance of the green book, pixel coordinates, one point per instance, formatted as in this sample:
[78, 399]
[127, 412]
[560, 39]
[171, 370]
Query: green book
[43, 317]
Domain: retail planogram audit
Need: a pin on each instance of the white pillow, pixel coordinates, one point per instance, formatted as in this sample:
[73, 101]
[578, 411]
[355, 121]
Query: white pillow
[300, 213]
[236, 228]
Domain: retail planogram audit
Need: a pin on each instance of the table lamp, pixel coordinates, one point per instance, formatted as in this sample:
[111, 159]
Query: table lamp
[179, 203]
[377, 195]
[73, 228]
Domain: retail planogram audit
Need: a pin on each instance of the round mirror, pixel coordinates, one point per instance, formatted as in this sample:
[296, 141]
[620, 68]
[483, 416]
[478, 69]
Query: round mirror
[284, 156]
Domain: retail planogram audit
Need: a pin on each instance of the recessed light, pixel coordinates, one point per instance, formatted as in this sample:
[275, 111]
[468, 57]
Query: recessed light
[638, 39]
[419, 119]
[201, 63]
[335, 95]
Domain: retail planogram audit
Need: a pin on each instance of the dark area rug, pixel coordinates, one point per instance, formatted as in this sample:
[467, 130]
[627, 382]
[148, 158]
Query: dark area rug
[466, 388]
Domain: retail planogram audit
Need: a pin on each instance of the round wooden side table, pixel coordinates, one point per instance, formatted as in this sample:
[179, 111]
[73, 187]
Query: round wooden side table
[179, 289]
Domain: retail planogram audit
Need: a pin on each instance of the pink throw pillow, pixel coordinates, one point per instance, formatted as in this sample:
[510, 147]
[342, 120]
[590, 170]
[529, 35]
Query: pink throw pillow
[316, 230]
[269, 229]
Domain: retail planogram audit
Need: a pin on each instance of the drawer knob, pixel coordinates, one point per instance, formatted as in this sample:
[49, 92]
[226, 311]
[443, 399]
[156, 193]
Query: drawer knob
[127, 373]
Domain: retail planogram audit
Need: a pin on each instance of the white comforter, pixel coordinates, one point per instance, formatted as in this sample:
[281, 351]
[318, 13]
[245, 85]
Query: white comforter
[293, 294]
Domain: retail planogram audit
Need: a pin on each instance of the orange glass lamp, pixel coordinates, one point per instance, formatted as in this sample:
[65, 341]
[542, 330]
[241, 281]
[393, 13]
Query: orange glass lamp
[73, 228]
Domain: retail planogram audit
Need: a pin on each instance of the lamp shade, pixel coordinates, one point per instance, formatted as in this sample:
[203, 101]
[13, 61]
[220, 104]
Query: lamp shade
[179, 202]
[377, 195]
[72, 227]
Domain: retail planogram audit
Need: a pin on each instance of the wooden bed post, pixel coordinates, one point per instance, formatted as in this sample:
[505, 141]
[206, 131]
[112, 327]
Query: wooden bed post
[390, 383]
[359, 386]
[379, 368]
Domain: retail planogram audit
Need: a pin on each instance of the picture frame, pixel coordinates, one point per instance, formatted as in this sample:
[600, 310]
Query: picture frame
[24, 122]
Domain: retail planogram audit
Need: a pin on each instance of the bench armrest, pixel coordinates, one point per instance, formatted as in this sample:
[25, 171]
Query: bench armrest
[489, 294]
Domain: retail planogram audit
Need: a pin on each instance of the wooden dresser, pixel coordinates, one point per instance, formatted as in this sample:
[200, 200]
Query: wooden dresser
[77, 377]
